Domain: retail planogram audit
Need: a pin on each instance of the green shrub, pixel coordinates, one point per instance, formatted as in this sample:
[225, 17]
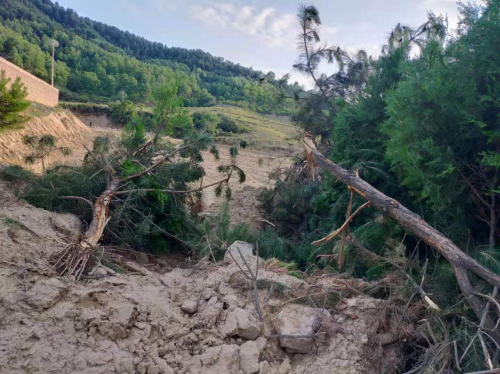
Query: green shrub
[123, 112]
[12, 103]
[229, 125]
[205, 122]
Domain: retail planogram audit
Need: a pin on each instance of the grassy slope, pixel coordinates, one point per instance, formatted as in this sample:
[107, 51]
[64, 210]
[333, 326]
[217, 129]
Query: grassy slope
[264, 130]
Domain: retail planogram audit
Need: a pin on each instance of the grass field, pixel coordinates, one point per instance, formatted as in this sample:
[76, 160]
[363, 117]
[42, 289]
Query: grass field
[264, 130]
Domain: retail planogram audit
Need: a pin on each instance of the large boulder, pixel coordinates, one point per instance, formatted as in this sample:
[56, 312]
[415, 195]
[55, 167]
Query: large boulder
[299, 320]
[241, 323]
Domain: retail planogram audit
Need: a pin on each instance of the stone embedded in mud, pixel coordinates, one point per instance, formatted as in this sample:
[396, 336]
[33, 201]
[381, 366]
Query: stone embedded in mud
[241, 323]
[221, 359]
[264, 368]
[45, 293]
[207, 293]
[210, 314]
[231, 300]
[285, 366]
[189, 306]
[66, 223]
[296, 319]
[123, 314]
[261, 343]
[249, 357]
[246, 250]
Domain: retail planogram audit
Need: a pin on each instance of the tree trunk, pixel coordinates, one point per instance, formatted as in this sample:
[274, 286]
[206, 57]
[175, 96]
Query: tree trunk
[73, 259]
[101, 217]
[460, 261]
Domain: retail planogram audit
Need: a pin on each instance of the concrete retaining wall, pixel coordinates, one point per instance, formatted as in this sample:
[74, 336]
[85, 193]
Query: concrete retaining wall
[38, 90]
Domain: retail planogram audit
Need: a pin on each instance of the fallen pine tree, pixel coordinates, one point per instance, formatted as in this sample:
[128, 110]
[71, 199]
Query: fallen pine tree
[72, 261]
[413, 223]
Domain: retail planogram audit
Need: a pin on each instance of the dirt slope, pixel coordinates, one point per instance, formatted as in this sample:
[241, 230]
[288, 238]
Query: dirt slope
[257, 165]
[185, 321]
[66, 127]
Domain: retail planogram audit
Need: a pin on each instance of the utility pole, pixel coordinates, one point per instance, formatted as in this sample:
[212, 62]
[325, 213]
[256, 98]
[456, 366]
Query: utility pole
[54, 43]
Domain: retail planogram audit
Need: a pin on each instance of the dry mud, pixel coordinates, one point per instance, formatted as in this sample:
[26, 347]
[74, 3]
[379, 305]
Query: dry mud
[187, 321]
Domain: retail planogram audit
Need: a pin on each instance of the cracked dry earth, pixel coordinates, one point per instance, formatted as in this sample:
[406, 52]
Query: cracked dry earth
[185, 321]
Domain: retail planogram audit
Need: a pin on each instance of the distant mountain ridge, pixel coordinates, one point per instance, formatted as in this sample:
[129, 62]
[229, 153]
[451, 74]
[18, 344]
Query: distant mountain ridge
[140, 47]
[98, 62]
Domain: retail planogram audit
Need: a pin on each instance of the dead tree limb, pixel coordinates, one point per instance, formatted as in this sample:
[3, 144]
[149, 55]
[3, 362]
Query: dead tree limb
[413, 223]
[418, 287]
[252, 277]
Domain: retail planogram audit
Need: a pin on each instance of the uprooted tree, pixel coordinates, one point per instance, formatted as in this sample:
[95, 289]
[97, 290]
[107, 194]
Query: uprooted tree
[135, 191]
[461, 262]
[121, 183]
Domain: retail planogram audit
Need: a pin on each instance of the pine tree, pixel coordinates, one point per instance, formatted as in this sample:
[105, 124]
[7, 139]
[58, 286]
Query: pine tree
[12, 103]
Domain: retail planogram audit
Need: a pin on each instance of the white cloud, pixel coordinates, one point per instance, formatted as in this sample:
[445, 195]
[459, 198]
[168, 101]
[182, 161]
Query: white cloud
[163, 5]
[265, 24]
[273, 29]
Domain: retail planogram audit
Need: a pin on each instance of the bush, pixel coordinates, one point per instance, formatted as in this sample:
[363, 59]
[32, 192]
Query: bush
[227, 124]
[123, 112]
[205, 122]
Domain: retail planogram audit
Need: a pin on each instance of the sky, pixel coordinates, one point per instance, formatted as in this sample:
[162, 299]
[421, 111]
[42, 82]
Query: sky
[261, 34]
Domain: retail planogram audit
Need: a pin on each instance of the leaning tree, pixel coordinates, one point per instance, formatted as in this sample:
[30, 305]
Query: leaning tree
[143, 179]
[473, 278]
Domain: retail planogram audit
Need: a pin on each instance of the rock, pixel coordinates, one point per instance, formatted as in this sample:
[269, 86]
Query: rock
[189, 306]
[285, 366]
[297, 319]
[221, 359]
[231, 300]
[241, 323]
[249, 357]
[246, 250]
[123, 314]
[132, 266]
[143, 257]
[207, 293]
[264, 368]
[98, 272]
[261, 343]
[210, 314]
[67, 224]
[88, 314]
[45, 293]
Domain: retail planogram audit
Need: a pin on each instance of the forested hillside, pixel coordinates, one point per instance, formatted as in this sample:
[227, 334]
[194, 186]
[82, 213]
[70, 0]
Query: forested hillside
[97, 62]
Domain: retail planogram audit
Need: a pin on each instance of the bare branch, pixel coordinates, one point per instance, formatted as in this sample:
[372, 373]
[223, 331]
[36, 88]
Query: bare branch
[78, 198]
[172, 191]
[158, 163]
